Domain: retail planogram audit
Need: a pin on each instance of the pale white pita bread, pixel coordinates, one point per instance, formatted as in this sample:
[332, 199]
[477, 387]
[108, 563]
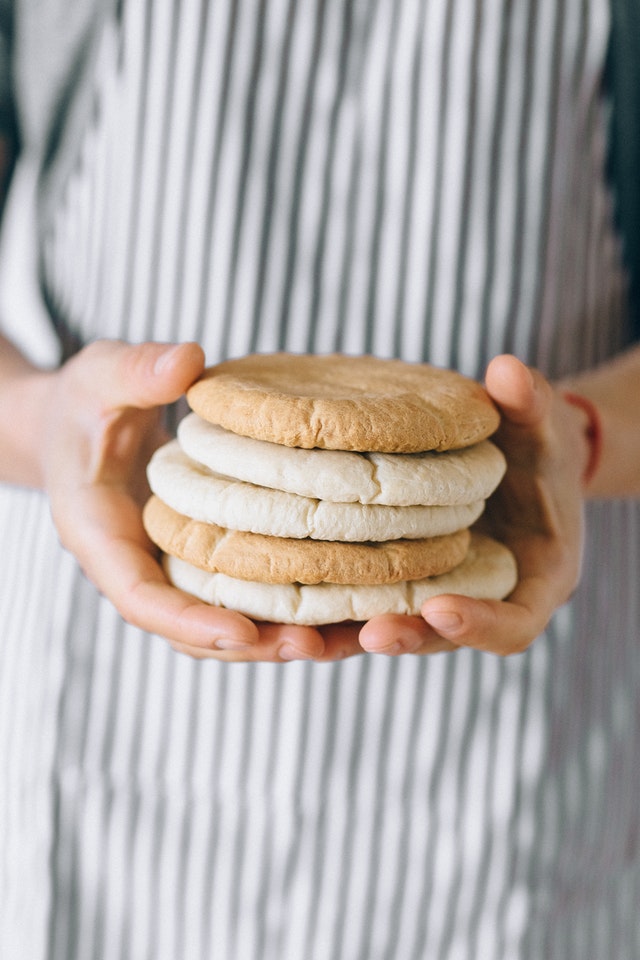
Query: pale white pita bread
[443, 479]
[489, 572]
[193, 490]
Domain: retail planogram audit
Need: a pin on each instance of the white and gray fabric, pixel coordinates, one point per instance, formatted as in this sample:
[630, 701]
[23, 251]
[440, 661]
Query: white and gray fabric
[406, 177]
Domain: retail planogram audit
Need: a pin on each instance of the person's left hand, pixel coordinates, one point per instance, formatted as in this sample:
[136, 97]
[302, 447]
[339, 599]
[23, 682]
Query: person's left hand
[537, 511]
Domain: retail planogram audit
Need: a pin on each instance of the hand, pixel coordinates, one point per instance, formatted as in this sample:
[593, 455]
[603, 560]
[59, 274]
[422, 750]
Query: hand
[104, 408]
[537, 511]
[100, 423]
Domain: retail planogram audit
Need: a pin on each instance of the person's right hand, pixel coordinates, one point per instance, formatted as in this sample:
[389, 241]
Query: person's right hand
[100, 421]
[538, 511]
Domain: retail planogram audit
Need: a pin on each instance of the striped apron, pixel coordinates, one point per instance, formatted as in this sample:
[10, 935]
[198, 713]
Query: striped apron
[413, 178]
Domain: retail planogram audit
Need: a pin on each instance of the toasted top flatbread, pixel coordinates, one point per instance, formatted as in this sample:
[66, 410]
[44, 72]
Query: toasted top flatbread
[488, 572]
[339, 402]
[195, 491]
[252, 556]
[394, 479]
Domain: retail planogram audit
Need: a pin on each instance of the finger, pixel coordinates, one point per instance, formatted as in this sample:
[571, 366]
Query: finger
[291, 642]
[500, 627]
[144, 598]
[201, 630]
[286, 642]
[521, 393]
[122, 564]
[138, 375]
[104, 531]
[392, 634]
[277, 643]
[340, 641]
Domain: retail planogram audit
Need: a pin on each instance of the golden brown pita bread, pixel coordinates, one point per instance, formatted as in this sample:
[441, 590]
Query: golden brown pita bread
[339, 402]
[250, 556]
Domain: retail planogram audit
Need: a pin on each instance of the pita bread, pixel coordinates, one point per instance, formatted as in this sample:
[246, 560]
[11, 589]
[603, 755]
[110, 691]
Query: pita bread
[393, 479]
[339, 402]
[251, 556]
[193, 490]
[488, 572]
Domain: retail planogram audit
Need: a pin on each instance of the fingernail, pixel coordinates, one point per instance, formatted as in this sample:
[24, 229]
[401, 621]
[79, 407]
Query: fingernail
[444, 621]
[165, 358]
[288, 652]
[232, 643]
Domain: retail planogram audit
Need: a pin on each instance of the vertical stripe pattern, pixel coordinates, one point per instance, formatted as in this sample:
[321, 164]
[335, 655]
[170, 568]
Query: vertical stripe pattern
[394, 178]
[412, 178]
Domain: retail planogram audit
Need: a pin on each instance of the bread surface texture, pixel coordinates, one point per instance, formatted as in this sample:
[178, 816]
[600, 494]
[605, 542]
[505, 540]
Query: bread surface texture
[487, 572]
[250, 556]
[427, 478]
[340, 402]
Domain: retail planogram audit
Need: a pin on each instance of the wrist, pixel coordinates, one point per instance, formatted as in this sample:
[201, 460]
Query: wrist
[593, 433]
[25, 406]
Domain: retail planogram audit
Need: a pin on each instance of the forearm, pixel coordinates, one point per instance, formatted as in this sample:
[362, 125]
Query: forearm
[614, 389]
[23, 390]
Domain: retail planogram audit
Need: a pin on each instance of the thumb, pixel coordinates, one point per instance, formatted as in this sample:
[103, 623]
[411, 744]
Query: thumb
[140, 375]
[522, 394]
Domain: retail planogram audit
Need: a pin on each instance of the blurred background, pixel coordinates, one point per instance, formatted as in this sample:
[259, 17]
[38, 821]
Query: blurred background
[19, 297]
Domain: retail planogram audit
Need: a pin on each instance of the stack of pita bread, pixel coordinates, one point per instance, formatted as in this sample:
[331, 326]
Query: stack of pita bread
[317, 489]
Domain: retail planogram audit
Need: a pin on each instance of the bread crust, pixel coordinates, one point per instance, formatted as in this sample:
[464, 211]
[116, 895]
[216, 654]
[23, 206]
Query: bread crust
[251, 556]
[339, 402]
